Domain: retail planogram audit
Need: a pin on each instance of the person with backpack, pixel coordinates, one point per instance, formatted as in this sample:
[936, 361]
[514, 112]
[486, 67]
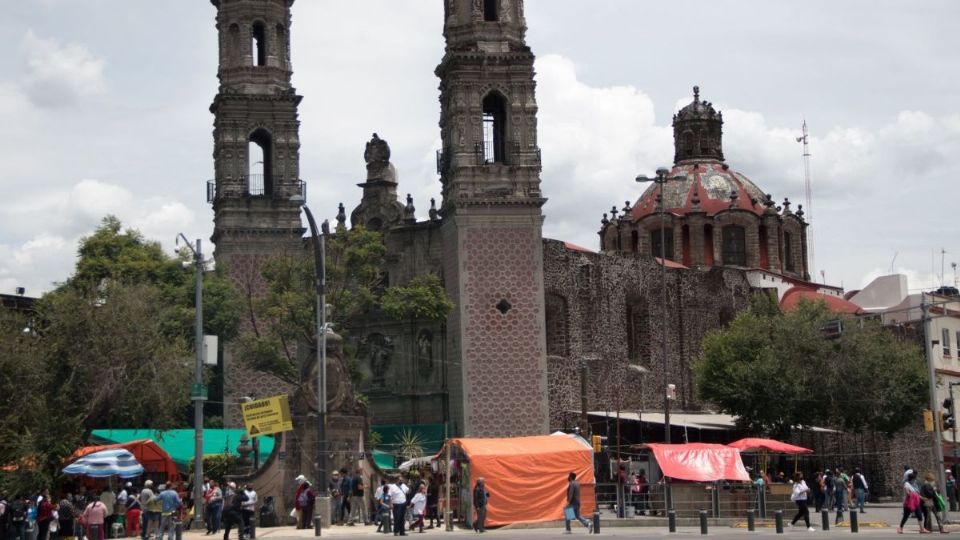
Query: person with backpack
[233, 500]
[859, 489]
[828, 489]
[18, 518]
[303, 501]
[841, 488]
[65, 515]
[911, 502]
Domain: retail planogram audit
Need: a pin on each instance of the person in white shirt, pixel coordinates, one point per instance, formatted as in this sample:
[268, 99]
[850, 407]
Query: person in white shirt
[248, 508]
[398, 499]
[419, 507]
[799, 496]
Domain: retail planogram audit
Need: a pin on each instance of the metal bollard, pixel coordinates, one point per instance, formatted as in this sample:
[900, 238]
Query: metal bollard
[672, 520]
[703, 522]
[762, 498]
[825, 519]
[178, 529]
[253, 528]
[751, 521]
[854, 526]
[778, 517]
[387, 519]
[596, 522]
[317, 522]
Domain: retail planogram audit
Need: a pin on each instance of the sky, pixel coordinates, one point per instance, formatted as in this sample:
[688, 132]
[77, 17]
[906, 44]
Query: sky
[104, 110]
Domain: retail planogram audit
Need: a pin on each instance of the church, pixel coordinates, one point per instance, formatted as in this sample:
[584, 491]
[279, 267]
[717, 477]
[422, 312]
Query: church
[541, 329]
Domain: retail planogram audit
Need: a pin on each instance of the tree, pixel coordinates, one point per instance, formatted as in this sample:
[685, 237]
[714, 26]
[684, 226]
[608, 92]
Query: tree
[776, 371]
[422, 298]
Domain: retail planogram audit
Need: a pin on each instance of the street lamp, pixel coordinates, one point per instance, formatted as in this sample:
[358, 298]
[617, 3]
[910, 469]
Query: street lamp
[319, 253]
[198, 393]
[661, 180]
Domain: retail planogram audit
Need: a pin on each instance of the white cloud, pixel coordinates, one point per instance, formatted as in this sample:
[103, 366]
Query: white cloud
[54, 74]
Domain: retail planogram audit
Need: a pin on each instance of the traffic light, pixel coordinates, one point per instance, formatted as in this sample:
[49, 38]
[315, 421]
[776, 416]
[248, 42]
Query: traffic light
[947, 418]
[927, 420]
[596, 440]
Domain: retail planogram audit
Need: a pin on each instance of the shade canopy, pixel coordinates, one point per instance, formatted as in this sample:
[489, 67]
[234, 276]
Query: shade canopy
[106, 463]
[180, 443]
[153, 458]
[768, 445]
[700, 462]
[527, 476]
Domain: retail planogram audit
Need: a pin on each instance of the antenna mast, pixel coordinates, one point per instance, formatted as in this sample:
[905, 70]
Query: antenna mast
[808, 191]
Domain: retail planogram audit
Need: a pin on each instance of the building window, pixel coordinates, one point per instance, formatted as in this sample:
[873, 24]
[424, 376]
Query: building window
[788, 252]
[258, 46]
[946, 342]
[494, 128]
[490, 10]
[734, 245]
[260, 156]
[657, 249]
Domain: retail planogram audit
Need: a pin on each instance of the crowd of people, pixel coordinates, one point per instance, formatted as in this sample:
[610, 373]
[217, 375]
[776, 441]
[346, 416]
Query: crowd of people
[147, 511]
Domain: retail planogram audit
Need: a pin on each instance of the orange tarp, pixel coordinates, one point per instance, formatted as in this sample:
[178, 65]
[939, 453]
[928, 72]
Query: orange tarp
[527, 476]
[153, 458]
[700, 462]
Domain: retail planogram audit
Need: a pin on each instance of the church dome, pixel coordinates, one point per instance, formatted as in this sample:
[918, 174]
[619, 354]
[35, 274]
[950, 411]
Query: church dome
[707, 187]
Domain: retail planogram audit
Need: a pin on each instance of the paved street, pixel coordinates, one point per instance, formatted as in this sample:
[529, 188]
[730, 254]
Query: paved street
[878, 521]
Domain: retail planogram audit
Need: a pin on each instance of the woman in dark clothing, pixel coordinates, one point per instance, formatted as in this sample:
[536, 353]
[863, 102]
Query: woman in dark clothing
[928, 492]
[66, 515]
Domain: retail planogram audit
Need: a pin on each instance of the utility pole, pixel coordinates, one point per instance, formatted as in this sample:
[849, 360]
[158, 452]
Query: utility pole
[808, 191]
[934, 402]
[198, 393]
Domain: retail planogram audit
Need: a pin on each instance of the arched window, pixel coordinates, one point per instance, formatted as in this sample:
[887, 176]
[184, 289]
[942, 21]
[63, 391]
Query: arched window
[260, 156]
[658, 249]
[490, 10]
[734, 245]
[258, 45]
[494, 128]
[788, 252]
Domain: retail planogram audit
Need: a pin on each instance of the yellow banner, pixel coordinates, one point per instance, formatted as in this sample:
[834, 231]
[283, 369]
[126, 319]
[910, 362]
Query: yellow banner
[267, 416]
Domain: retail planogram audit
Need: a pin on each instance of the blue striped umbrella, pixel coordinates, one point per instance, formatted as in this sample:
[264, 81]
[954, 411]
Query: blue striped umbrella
[106, 463]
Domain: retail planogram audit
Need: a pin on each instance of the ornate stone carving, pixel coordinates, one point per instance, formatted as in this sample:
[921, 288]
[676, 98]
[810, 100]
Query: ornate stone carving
[425, 353]
[477, 10]
[377, 156]
[377, 350]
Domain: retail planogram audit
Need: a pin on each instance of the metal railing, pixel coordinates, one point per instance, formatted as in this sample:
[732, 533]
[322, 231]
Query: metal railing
[255, 185]
[484, 154]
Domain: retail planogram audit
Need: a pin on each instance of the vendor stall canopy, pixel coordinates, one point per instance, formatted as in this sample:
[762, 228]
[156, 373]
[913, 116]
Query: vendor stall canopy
[700, 462]
[179, 443]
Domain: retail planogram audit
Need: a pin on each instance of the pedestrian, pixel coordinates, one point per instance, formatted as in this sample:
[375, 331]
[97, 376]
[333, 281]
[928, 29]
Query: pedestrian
[109, 500]
[911, 502]
[335, 489]
[45, 510]
[799, 496]
[94, 516]
[931, 498]
[841, 483]
[134, 513]
[358, 504]
[860, 489]
[233, 500]
[65, 515]
[382, 500]
[79, 501]
[433, 503]
[398, 500]
[169, 504]
[572, 510]
[419, 507]
[480, 499]
[346, 496]
[816, 487]
[951, 488]
[151, 507]
[303, 502]
[213, 497]
[828, 489]
[249, 508]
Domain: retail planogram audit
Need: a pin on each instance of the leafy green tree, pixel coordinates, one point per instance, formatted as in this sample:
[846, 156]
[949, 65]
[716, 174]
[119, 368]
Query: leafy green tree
[776, 371]
[422, 298]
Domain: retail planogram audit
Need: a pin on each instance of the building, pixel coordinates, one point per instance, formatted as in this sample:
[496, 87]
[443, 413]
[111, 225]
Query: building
[533, 316]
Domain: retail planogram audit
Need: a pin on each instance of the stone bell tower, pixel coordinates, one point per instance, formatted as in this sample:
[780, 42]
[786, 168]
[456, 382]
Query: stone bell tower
[492, 221]
[256, 158]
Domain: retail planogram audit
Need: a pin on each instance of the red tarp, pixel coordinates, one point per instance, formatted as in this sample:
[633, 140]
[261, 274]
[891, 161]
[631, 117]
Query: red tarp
[700, 462]
[527, 476]
[770, 445]
[153, 458]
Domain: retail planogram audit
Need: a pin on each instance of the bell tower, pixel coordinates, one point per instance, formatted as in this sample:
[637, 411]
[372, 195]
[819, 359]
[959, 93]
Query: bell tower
[256, 160]
[492, 222]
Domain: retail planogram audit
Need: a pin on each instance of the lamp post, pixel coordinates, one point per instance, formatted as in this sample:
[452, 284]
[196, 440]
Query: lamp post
[319, 253]
[661, 180]
[198, 393]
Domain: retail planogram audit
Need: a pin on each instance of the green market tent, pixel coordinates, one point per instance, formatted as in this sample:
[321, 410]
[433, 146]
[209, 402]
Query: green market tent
[179, 443]
[430, 438]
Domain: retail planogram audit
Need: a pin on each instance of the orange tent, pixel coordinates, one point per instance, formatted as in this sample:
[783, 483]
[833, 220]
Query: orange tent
[155, 460]
[527, 476]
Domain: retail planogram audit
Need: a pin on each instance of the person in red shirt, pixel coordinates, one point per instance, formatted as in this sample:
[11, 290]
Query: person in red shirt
[44, 514]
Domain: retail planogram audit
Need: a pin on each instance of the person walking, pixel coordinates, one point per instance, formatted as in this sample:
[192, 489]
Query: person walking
[419, 507]
[45, 510]
[233, 500]
[433, 502]
[928, 496]
[841, 485]
[480, 499]
[799, 496]
[860, 489]
[169, 504]
[134, 513]
[911, 503]
[152, 508]
[951, 489]
[303, 502]
[335, 489]
[358, 503]
[248, 509]
[572, 511]
[398, 500]
[213, 497]
[382, 500]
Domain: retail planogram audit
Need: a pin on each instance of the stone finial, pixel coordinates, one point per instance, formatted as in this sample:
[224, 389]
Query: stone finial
[800, 212]
[604, 221]
[409, 212]
[786, 205]
[733, 198]
[613, 213]
[325, 227]
[434, 215]
[341, 218]
[696, 93]
[626, 208]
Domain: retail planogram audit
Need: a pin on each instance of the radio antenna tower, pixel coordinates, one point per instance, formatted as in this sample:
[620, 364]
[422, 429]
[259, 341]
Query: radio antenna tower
[808, 191]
